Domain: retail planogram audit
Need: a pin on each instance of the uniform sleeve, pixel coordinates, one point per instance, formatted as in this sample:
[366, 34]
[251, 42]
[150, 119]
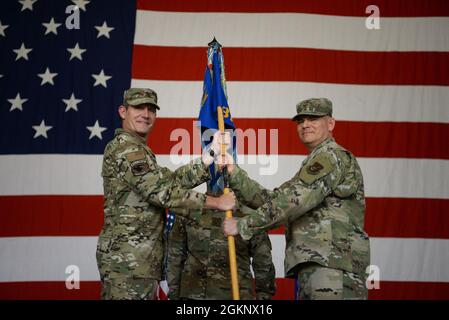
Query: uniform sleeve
[263, 267]
[250, 192]
[177, 254]
[158, 186]
[190, 175]
[314, 182]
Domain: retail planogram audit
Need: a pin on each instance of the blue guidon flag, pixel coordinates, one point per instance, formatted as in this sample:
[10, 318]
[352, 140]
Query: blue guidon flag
[214, 95]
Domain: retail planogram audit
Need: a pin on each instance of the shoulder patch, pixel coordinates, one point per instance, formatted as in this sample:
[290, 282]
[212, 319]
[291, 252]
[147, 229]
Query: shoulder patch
[314, 168]
[318, 167]
[139, 164]
[140, 167]
[136, 155]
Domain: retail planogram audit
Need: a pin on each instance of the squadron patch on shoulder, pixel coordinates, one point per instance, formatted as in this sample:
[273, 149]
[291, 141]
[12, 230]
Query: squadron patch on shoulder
[140, 167]
[139, 163]
[320, 166]
[315, 168]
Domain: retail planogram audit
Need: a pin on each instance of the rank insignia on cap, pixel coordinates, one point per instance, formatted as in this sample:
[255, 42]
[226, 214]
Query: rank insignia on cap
[315, 168]
[139, 167]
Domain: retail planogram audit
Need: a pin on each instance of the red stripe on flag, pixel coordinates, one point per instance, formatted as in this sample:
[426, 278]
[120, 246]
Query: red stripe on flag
[279, 230]
[388, 8]
[49, 290]
[407, 218]
[364, 139]
[90, 290]
[404, 218]
[295, 64]
[285, 289]
[396, 290]
[28, 216]
[51, 215]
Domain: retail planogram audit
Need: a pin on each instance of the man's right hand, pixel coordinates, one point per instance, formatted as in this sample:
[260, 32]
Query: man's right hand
[224, 202]
[227, 201]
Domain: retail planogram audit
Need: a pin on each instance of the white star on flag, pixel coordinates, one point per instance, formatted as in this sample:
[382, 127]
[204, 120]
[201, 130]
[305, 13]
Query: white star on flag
[27, 4]
[17, 102]
[96, 130]
[51, 26]
[41, 130]
[76, 52]
[101, 78]
[3, 28]
[103, 30]
[71, 103]
[81, 4]
[22, 52]
[47, 77]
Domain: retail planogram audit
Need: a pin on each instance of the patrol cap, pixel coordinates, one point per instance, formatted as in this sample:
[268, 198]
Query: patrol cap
[136, 96]
[313, 107]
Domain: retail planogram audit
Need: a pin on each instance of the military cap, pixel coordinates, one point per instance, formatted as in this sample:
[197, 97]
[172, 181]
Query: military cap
[313, 107]
[136, 96]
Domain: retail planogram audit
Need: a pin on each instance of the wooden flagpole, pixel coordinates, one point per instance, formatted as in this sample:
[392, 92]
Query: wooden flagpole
[231, 240]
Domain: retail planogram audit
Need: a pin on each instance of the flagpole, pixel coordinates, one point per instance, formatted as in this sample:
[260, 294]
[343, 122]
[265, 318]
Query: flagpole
[231, 240]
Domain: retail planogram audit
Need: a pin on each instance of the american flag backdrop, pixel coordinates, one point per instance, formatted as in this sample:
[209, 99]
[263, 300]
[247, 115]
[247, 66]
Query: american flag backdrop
[60, 89]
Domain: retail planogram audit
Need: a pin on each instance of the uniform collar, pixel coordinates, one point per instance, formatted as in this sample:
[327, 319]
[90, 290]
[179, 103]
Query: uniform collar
[130, 136]
[323, 144]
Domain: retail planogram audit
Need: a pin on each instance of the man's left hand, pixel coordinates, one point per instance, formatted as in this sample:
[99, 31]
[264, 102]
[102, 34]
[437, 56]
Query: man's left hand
[230, 227]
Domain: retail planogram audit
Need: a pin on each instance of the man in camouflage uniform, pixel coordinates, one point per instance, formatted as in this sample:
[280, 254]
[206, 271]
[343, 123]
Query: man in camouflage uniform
[323, 208]
[136, 191]
[198, 261]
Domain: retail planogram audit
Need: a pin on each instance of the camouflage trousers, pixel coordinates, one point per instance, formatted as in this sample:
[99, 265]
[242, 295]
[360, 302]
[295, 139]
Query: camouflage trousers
[128, 288]
[316, 282]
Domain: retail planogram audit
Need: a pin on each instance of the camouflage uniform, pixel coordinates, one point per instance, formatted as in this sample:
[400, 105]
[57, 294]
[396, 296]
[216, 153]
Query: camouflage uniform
[136, 191]
[198, 261]
[323, 208]
[316, 282]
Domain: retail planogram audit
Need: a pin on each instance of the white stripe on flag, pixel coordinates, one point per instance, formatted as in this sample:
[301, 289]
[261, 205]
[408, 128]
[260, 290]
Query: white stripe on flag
[291, 30]
[47, 258]
[278, 100]
[80, 175]
[397, 259]
[401, 259]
